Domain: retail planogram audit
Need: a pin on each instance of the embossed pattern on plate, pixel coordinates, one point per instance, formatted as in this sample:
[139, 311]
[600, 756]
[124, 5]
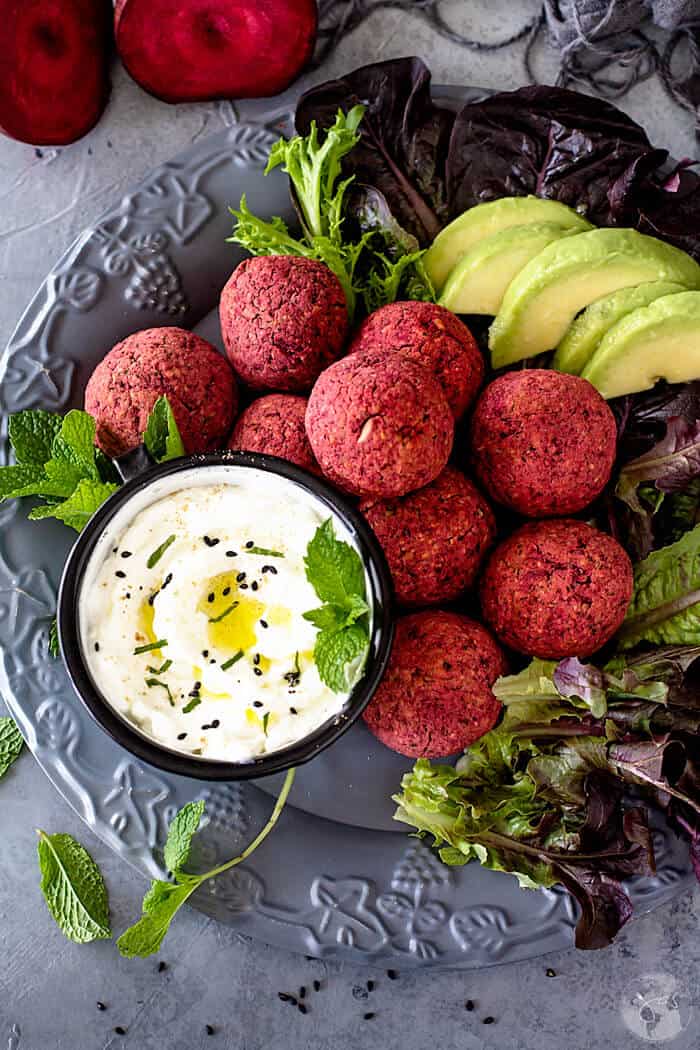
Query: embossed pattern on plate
[317, 886]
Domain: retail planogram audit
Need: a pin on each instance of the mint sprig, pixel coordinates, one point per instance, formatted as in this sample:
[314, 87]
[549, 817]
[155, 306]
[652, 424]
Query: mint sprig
[164, 899]
[11, 744]
[335, 571]
[162, 436]
[73, 888]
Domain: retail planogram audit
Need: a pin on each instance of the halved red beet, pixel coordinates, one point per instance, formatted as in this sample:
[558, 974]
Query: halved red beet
[190, 50]
[54, 68]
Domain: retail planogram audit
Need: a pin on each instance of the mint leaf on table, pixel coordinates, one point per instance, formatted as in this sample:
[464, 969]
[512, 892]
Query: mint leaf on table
[340, 657]
[54, 648]
[180, 834]
[73, 888]
[162, 436]
[11, 744]
[32, 433]
[333, 568]
[164, 899]
[665, 606]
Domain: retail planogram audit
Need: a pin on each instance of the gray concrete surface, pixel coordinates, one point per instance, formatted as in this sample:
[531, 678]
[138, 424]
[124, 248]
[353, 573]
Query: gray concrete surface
[644, 990]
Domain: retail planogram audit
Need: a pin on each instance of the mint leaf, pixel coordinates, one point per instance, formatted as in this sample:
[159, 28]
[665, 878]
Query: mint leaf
[32, 433]
[162, 436]
[160, 905]
[77, 510]
[340, 657]
[53, 639]
[75, 443]
[10, 744]
[327, 617]
[180, 834]
[73, 888]
[19, 480]
[333, 568]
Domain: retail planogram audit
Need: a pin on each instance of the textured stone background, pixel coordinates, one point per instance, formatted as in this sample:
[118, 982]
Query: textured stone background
[644, 990]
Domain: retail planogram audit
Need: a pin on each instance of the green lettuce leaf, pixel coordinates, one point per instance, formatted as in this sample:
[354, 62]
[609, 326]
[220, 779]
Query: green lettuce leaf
[665, 606]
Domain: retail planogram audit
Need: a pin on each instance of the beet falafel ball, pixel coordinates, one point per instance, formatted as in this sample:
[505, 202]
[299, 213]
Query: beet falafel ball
[379, 425]
[542, 442]
[274, 424]
[283, 320]
[434, 539]
[557, 588]
[436, 697]
[196, 379]
[433, 337]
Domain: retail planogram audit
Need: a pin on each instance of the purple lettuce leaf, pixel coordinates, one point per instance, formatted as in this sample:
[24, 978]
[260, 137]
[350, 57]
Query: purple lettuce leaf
[670, 465]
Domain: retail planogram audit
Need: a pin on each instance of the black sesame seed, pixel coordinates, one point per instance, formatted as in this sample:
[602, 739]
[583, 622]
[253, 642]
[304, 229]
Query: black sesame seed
[205, 653]
[256, 659]
[370, 986]
[226, 591]
[119, 1030]
[302, 992]
[469, 1005]
[211, 542]
[286, 997]
[166, 581]
[215, 724]
[257, 703]
[209, 1029]
[231, 554]
[97, 647]
[120, 574]
[240, 578]
[489, 1020]
[249, 544]
[205, 727]
[270, 568]
[550, 972]
[368, 1016]
[127, 595]
[292, 710]
[243, 587]
[162, 966]
[317, 986]
[211, 597]
[254, 585]
[181, 736]
[197, 686]
[101, 1006]
[126, 554]
[392, 974]
[212, 661]
[114, 550]
[301, 1008]
[257, 671]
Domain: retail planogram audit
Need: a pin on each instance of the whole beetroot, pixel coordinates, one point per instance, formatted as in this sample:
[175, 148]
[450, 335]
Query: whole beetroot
[556, 588]
[283, 320]
[431, 336]
[173, 362]
[379, 425]
[434, 539]
[274, 424]
[436, 697]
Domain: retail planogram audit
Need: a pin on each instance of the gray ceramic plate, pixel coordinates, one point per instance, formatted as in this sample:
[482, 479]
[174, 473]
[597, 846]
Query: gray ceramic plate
[337, 877]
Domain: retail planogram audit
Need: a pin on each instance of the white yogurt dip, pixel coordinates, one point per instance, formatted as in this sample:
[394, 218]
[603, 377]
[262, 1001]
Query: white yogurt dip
[234, 676]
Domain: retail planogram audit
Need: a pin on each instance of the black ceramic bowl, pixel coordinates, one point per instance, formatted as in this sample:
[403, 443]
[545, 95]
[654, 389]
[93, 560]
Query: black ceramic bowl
[139, 471]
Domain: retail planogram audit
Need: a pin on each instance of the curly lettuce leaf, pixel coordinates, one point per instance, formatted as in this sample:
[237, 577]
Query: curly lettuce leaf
[665, 606]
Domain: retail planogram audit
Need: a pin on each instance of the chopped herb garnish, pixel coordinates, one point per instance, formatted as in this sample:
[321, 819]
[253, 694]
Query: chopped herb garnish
[292, 677]
[160, 551]
[191, 704]
[151, 647]
[266, 719]
[265, 551]
[233, 660]
[224, 614]
[150, 682]
[162, 669]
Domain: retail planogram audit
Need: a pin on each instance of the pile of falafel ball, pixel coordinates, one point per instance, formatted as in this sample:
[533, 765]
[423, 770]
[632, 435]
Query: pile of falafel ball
[395, 415]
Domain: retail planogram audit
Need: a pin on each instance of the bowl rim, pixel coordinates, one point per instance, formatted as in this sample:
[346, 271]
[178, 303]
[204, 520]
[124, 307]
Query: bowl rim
[140, 472]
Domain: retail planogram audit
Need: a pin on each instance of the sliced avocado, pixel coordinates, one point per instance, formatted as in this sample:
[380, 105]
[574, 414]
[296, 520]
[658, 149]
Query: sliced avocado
[483, 220]
[478, 282]
[568, 275]
[659, 341]
[587, 330]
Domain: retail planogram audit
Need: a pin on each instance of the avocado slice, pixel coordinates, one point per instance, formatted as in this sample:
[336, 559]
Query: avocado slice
[659, 341]
[478, 282]
[491, 217]
[568, 275]
[587, 330]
